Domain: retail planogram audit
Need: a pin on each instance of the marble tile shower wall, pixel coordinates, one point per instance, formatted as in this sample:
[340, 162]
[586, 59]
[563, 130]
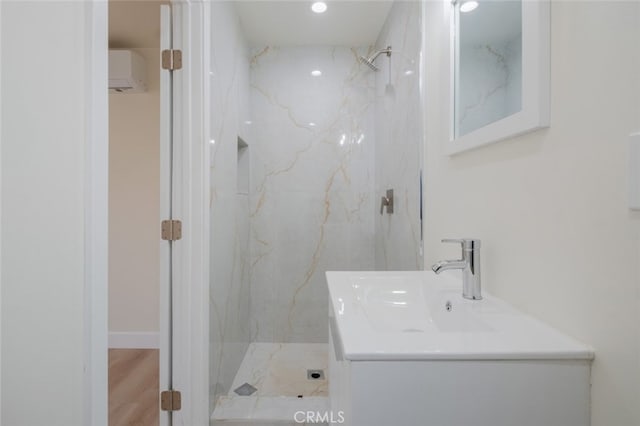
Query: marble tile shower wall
[490, 83]
[229, 204]
[311, 194]
[399, 138]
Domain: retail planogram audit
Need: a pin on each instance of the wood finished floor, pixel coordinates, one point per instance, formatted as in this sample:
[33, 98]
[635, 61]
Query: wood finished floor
[133, 387]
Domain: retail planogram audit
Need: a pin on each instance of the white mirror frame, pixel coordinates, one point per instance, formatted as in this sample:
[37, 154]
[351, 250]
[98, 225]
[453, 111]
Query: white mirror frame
[535, 83]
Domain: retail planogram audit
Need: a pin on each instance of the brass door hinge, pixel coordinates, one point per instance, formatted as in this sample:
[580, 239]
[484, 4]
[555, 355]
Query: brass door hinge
[171, 59]
[171, 230]
[170, 400]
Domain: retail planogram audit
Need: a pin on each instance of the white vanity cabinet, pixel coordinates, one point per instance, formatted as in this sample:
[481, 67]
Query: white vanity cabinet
[520, 373]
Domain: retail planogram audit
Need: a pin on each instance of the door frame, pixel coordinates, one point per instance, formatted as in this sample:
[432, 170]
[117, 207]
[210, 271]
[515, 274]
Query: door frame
[191, 173]
[95, 380]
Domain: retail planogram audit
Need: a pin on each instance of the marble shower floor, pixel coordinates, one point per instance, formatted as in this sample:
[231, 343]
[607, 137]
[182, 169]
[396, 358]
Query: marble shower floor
[279, 372]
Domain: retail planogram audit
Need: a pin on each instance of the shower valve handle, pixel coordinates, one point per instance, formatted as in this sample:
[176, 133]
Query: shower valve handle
[387, 202]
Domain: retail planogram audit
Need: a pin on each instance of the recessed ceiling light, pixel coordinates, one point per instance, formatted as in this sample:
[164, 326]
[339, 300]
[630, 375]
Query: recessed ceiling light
[316, 73]
[319, 7]
[468, 6]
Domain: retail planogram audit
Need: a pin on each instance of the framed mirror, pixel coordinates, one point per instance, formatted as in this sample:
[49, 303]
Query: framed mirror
[499, 70]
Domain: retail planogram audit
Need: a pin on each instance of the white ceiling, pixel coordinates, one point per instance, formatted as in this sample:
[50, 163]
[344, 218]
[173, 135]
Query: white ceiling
[292, 23]
[136, 23]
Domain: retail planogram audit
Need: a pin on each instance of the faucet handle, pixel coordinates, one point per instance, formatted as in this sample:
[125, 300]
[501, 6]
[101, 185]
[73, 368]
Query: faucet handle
[467, 243]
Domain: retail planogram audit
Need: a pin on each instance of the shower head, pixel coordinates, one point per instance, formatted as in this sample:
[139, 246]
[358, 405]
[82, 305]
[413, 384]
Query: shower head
[369, 61]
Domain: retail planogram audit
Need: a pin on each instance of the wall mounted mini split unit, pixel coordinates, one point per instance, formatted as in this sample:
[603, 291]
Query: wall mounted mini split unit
[127, 72]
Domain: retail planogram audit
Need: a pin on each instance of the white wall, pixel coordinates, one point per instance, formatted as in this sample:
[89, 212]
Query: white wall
[44, 70]
[134, 205]
[551, 206]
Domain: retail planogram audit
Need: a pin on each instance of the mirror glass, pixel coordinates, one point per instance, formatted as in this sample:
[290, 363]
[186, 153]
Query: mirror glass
[488, 63]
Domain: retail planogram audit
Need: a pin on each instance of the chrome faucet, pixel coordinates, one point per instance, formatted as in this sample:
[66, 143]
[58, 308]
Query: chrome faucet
[470, 265]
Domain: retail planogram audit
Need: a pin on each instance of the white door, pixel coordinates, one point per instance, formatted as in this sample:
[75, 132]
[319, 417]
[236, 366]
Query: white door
[170, 237]
[184, 296]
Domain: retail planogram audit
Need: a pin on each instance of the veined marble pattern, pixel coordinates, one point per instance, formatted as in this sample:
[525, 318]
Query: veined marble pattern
[399, 138]
[229, 207]
[490, 84]
[279, 372]
[311, 186]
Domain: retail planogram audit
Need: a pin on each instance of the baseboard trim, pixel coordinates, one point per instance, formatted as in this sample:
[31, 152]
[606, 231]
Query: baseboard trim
[134, 340]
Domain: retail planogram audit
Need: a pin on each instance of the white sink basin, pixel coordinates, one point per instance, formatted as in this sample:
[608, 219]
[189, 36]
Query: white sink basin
[421, 315]
[400, 304]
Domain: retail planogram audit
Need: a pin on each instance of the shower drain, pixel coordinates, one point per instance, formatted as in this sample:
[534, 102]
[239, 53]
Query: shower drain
[245, 389]
[315, 374]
